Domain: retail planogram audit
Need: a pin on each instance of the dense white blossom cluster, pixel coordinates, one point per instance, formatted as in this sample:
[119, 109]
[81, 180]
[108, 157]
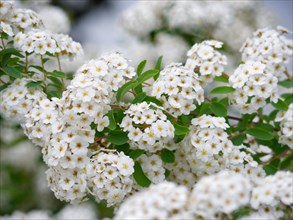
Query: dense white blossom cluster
[273, 193]
[14, 20]
[109, 176]
[41, 42]
[17, 100]
[163, 201]
[179, 89]
[152, 166]
[286, 133]
[224, 192]
[148, 127]
[254, 83]
[270, 47]
[180, 170]
[208, 149]
[203, 58]
[68, 185]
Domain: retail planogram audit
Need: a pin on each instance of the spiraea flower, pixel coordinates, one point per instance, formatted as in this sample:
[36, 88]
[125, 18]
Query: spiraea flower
[273, 190]
[286, 122]
[204, 59]
[270, 47]
[148, 127]
[17, 100]
[179, 89]
[109, 176]
[41, 42]
[163, 201]
[152, 166]
[68, 185]
[254, 83]
[221, 193]
[208, 149]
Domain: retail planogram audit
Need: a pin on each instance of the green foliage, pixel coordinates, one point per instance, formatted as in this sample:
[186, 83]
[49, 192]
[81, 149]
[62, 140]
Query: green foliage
[117, 137]
[140, 67]
[222, 90]
[56, 74]
[168, 156]
[280, 105]
[218, 109]
[180, 129]
[139, 176]
[124, 89]
[112, 122]
[136, 153]
[260, 133]
[286, 83]
[34, 84]
[12, 71]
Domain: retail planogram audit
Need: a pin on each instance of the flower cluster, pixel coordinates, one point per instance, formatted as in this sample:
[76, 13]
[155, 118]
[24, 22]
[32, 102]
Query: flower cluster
[203, 58]
[187, 22]
[224, 192]
[286, 133]
[177, 88]
[208, 149]
[68, 185]
[109, 176]
[270, 47]
[273, 193]
[152, 166]
[180, 170]
[17, 100]
[163, 201]
[62, 127]
[15, 20]
[148, 127]
[254, 83]
[41, 42]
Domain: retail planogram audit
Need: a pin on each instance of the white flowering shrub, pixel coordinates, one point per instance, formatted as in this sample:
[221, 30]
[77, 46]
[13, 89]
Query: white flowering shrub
[170, 28]
[112, 130]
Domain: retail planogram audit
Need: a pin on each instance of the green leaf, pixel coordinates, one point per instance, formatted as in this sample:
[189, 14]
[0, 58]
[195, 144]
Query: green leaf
[238, 140]
[218, 109]
[117, 137]
[158, 67]
[139, 176]
[221, 79]
[205, 108]
[57, 74]
[34, 84]
[241, 212]
[180, 129]
[11, 51]
[124, 89]
[57, 83]
[13, 72]
[288, 98]
[222, 90]
[280, 105]
[4, 86]
[136, 153]
[139, 98]
[146, 75]
[286, 83]
[287, 163]
[167, 156]
[112, 123]
[140, 67]
[260, 133]
[270, 169]
[150, 99]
